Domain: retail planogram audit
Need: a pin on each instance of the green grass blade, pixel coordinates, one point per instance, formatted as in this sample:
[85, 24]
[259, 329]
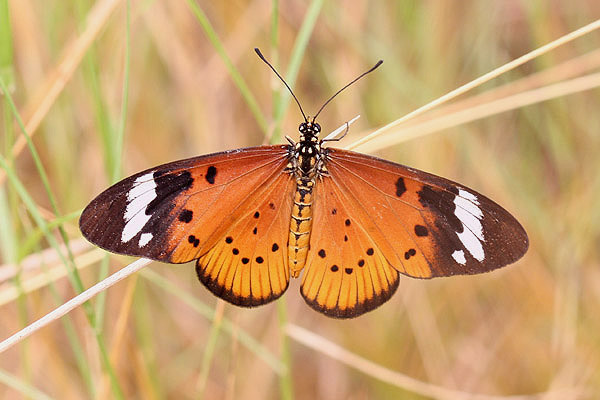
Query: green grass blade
[296, 58]
[286, 385]
[144, 323]
[34, 237]
[22, 387]
[235, 74]
[207, 357]
[7, 81]
[7, 73]
[67, 323]
[116, 146]
[274, 55]
[32, 208]
[120, 137]
[72, 272]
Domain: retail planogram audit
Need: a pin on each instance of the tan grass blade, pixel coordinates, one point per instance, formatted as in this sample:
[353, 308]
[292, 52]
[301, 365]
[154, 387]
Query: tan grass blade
[482, 110]
[482, 79]
[74, 302]
[53, 273]
[335, 351]
[33, 262]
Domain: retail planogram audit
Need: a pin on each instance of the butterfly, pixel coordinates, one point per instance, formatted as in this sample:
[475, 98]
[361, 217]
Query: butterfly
[349, 223]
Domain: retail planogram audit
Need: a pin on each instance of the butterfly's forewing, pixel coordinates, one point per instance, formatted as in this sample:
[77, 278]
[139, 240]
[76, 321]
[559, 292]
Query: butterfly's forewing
[176, 212]
[346, 273]
[426, 226]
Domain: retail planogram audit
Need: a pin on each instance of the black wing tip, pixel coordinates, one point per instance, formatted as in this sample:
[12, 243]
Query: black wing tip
[88, 225]
[229, 296]
[514, 249]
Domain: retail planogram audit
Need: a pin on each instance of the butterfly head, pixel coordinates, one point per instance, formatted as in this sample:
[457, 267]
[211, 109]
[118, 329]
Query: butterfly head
[309, 131]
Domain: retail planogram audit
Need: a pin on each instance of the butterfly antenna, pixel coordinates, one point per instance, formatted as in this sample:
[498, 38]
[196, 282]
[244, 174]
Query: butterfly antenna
[282, 80]
[339, 91]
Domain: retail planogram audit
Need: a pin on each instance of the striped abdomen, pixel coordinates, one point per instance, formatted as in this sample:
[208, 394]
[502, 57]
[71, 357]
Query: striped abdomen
[300, 225]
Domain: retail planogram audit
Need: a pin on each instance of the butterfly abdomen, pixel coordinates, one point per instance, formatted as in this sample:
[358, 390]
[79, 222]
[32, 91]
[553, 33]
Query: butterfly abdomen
[300, 225]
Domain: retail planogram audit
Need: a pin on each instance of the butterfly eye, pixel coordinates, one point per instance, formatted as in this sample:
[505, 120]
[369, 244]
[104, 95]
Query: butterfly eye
[317, 127]
[302, 127]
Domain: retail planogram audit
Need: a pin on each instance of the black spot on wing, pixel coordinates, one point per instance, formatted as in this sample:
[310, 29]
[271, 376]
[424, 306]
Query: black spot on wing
[186, 216]
[409, 253]
[193, 240]
[400, 187]
[421, 230]
[275, 247]
[211, 173]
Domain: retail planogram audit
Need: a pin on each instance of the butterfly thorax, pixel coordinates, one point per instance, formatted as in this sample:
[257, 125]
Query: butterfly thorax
[305, 164]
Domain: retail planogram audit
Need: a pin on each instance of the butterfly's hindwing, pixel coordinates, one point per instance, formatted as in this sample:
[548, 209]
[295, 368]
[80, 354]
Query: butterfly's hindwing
[248, 265]
[426, 225]
[346, 273]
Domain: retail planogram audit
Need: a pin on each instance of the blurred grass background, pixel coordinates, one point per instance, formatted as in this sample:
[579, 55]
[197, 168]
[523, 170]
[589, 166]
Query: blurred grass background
[160, 81]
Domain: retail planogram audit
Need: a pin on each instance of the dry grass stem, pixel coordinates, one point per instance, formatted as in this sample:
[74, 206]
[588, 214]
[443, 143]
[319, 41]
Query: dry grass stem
[481, 80]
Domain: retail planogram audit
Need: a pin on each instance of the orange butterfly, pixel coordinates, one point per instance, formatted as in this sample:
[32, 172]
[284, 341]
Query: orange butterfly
[252, 217]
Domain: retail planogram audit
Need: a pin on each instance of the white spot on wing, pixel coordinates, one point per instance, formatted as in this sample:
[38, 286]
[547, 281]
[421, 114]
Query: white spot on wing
[470, 221]
[467, 204]
[468, 212]
[468, 196]
[471, 243]
[139, 196]
[459, 257]
[144, 239]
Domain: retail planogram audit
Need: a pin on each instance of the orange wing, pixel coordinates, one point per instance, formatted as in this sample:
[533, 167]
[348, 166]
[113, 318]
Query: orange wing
[425, 225]
[375, 218]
